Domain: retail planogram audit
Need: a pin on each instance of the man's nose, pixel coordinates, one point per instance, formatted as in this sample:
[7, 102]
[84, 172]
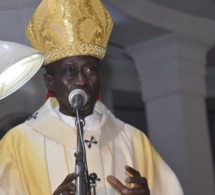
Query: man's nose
[81, 79]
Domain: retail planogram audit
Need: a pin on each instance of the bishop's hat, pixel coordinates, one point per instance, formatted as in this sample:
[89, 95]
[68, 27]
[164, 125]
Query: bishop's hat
[64, 28]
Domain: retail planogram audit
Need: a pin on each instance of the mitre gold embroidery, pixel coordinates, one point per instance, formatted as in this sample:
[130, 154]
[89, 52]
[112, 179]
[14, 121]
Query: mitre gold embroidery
[63, 28]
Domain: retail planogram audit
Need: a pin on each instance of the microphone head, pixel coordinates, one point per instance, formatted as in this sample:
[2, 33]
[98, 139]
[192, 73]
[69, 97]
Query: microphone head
[77, 99]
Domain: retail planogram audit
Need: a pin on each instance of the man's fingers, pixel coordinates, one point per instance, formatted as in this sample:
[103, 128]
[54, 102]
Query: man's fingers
[132, 171]
[69, 178]
[131, 191]
[65, 189]
[137, 180]
[115, 183]
[141, 184]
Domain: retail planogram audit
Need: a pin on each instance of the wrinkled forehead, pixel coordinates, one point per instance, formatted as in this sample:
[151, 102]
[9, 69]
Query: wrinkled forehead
[78, 60]
[73, 60]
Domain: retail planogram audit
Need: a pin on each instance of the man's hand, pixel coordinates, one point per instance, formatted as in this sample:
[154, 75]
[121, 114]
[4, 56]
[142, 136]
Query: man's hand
[141, 184]
[66, 187]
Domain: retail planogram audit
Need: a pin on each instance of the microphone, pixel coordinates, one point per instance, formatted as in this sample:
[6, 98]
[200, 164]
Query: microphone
[77, 99]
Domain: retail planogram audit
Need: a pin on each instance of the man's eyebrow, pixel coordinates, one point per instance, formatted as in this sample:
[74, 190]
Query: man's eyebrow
[69, 63]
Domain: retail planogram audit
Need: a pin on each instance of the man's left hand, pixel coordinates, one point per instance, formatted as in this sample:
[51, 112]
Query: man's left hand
[141, 184]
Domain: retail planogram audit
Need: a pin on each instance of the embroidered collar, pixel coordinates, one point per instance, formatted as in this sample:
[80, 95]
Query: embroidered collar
[91, 122]
[48, 124]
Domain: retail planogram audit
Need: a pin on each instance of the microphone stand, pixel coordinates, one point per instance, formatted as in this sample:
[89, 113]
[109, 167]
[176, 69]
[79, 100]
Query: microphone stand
[81, 169]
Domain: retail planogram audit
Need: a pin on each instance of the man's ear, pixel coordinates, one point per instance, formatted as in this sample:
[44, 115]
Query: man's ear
[49, 81]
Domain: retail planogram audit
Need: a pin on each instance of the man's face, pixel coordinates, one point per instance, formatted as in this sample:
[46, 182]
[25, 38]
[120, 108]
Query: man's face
[77, 72]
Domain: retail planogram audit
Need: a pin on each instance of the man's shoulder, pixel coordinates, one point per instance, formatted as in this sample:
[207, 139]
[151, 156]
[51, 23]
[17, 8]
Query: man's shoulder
[15, 134]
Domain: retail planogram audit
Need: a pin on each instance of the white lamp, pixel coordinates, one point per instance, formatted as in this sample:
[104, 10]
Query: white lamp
[18, 64]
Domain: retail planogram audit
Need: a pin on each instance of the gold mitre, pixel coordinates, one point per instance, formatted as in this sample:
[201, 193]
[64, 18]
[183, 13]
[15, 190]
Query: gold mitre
[63, 28]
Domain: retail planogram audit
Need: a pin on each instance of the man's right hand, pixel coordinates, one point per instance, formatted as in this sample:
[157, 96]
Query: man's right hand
[66, 187]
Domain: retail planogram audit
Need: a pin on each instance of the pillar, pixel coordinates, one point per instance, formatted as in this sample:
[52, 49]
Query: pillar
[172, 72]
